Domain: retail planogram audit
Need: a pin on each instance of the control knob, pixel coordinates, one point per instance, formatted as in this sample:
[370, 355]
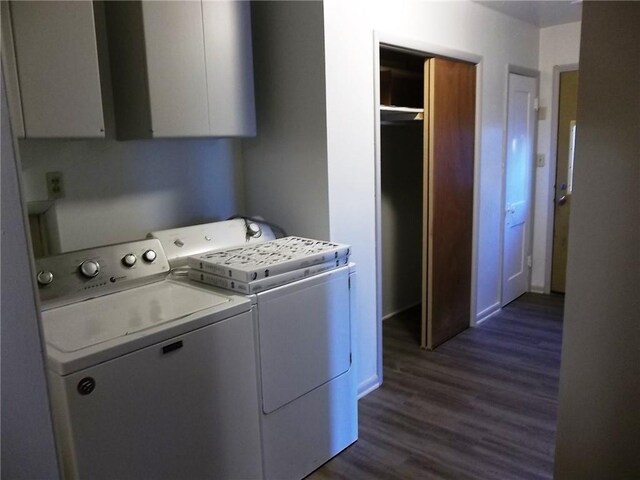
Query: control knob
[129, 260]
[149, 256]
[253, 230]
[45, 277]
[89, 268]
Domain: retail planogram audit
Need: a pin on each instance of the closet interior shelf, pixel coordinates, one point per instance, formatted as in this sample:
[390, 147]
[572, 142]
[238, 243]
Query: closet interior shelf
[393, 114]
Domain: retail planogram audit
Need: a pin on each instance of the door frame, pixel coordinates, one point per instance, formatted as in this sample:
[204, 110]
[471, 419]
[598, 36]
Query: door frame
[428, 50]
[535, 74]
[553, 163]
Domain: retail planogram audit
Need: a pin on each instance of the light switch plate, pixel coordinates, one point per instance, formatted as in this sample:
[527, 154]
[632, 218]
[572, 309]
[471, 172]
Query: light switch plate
[542, 113]
[540, 160]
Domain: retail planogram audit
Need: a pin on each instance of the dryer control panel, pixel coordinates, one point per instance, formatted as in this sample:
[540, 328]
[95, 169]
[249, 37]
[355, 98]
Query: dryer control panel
[75, 276]
[180, 243]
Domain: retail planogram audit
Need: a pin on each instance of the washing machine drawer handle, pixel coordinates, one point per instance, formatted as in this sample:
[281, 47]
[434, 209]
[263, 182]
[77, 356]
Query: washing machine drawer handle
[172, 346]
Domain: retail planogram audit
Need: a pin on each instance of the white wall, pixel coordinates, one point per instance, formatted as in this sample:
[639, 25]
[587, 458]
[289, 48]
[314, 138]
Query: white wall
[120, 191]
[598, 417]
[349, 50]
[28, 450]
[559, 45]
[285, 166]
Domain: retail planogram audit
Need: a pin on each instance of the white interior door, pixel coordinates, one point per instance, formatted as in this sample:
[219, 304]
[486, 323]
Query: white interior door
[518, 187]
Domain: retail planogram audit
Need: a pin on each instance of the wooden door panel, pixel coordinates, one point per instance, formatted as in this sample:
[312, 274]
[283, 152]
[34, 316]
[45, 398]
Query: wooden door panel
[450, 128]
[568, 102]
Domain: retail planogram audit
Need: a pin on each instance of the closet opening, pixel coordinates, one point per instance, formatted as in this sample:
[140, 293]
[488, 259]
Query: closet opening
[401, 183]
[426, 178]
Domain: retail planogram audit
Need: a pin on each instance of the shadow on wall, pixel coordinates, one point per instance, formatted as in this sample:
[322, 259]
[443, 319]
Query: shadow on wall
[401, 185]
[119, 191]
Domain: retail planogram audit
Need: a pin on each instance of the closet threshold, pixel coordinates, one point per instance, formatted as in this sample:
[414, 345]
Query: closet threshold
[391, 114]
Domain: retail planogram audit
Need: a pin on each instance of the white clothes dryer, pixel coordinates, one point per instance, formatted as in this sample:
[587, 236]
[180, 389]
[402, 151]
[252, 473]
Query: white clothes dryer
[306, 374]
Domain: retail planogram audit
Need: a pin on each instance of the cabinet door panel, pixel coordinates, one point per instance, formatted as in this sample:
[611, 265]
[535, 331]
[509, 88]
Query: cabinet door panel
[57, 60]
[227, 34]
[176, 68]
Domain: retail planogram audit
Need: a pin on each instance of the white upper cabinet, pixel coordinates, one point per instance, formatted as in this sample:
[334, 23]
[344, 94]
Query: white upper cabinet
[57, 67]
[177, 77]
[229, 59]
[181, 68]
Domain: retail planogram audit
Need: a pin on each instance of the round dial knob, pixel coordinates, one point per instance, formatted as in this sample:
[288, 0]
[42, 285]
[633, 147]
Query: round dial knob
[253, 229]
[149, 256]
[45, 277]
[89, 268]
[129, 260]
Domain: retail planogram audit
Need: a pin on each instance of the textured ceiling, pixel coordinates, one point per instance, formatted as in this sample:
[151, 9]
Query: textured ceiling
[539, 13]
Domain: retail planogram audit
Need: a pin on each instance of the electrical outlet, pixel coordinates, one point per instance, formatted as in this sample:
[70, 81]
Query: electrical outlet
[55, 185]
[540, 160]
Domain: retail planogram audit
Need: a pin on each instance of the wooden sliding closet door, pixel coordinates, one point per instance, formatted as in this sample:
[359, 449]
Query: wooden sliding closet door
[449, 124]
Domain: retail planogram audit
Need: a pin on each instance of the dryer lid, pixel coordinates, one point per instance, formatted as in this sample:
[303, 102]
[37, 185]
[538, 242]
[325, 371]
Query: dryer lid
[91, 322]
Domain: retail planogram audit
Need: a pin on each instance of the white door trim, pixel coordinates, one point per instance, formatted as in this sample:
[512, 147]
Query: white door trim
[535, 74]
[428, 50]
[553, 161]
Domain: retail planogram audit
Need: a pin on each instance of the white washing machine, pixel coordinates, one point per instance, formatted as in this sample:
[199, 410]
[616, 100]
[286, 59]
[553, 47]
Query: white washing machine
[306, 376]
[150, 378]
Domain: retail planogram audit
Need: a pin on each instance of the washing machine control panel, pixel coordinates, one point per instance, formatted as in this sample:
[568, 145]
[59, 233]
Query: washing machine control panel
[74, 276]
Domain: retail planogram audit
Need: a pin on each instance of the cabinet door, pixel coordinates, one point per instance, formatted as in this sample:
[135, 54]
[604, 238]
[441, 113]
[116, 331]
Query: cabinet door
[174, 45]
[229, 60]
[57, 61]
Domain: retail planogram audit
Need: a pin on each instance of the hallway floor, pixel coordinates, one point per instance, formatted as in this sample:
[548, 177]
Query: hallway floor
[482, 406]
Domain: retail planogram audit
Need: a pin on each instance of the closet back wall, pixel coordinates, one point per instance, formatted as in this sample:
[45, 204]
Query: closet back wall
[120, 191]
[401, 184]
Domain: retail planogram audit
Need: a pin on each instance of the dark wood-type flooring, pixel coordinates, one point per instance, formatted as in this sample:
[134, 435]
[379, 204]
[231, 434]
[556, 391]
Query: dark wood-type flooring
[482, 406]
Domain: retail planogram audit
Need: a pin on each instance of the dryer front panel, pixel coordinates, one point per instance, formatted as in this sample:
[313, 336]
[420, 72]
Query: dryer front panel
[304, 331]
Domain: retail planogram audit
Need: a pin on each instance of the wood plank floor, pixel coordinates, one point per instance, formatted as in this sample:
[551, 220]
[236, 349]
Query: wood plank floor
[482, 406]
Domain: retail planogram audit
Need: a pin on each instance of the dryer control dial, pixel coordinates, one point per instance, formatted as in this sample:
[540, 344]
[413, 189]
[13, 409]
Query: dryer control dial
[254, 230]
[89, 268]
[149, 256]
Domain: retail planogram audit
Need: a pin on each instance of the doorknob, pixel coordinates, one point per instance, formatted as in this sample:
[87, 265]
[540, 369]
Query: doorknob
[562, 200]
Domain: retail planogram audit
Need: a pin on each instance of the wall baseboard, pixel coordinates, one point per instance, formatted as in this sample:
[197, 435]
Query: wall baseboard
[389, 315]
[537, 289]
[487, 313]
[368, 386]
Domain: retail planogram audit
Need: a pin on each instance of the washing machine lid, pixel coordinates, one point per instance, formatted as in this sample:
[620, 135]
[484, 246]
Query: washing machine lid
[139, 317]
[98, 320]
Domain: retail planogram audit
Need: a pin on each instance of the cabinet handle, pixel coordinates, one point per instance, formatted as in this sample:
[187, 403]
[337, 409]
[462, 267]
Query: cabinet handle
[171, 347]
